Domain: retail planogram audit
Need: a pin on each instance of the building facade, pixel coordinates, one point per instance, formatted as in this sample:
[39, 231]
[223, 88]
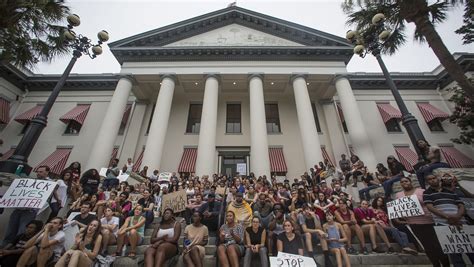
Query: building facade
[232, 91]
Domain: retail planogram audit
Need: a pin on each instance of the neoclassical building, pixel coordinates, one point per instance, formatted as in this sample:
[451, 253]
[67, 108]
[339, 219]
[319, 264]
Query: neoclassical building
[230, 91]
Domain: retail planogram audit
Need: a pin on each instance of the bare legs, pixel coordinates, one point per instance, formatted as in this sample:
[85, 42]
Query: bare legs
[32, 254]
[370, 228]
[158, 256]
[108, 238]
[132, 239]
[77, 258]
[341, 255]
[228, 256]
[193, 258]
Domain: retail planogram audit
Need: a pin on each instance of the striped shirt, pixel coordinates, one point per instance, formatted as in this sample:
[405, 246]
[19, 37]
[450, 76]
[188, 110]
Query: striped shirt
[445, 201]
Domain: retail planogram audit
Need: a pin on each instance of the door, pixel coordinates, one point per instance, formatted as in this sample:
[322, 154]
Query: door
[229, 164]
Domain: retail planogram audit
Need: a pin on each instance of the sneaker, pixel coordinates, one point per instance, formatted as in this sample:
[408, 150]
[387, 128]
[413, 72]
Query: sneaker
[365, 251]
[352, 251]
[390, 250]
[409, 251]
[378, 250]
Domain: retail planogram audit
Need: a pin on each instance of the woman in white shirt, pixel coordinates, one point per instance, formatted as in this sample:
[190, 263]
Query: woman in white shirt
[110, 226]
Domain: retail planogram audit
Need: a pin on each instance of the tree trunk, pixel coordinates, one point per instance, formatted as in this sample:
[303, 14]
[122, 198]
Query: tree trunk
[419, 16]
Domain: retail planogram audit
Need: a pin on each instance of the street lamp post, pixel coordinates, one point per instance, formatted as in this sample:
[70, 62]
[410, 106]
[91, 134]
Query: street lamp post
[18, 162]
[374, 38]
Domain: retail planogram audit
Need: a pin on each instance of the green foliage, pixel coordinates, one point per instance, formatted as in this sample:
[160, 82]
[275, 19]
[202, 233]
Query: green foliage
[467, 30]
[29, 31]
[463, 116]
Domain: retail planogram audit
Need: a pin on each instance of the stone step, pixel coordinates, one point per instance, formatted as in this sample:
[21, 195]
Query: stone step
[210, 249]
[382, 259]
[211, 240]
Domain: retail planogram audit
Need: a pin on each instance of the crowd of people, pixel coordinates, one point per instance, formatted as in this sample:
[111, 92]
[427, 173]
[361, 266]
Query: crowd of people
[261, 216]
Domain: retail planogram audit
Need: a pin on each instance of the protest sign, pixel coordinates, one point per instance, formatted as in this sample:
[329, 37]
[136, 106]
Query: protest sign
[177, 201]
[291, 260]
[70, 232]
[134, 197]
[469, 206]
[403, 207]
[123, 177]
[456, 239]
[164, 177]
[103, 172]
[242, 168]
[27, 193]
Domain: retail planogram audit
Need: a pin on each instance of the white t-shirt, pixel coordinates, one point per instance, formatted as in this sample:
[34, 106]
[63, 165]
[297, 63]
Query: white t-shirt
[62, 192]
[59, 247]
[129, 167]
[114, 220]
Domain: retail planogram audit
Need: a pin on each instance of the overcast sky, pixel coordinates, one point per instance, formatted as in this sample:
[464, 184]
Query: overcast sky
[126, 18]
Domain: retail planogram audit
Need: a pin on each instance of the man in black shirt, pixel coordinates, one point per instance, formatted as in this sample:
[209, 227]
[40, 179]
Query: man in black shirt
[210, 211]
[84, 218]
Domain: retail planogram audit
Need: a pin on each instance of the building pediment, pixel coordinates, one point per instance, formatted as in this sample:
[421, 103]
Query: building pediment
[244, 32]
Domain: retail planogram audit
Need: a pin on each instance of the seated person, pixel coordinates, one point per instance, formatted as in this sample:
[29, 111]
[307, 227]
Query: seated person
[86, 247]
[241, 209]
[164, 241]
[196, 236]
[275, 227]
[370, 182]
[193, 205]
[46, 246]
[263, 208]
[210, 211]
[347, 219]
[110, 227]
[289, 241]
[368, 222]
[111, 181]
[312, 231]
[10, 254]
[255, 239]
[84, 218]
[231, 237]
[132, 232]
[250, 195]
[336, 237]
[76, 205]
[122, 207]
[148, 203]
[434, 156]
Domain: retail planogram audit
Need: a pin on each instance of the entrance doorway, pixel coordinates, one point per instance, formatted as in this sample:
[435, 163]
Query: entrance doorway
[234, 163]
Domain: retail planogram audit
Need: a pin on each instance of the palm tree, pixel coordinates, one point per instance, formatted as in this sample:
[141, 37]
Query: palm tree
[423, 15]
[29, 32]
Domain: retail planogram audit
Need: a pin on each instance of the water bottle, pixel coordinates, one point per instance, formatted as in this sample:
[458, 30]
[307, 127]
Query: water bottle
[19, 169]
[187, 242]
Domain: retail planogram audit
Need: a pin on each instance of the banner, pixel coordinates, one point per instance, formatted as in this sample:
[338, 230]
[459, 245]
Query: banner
[408, 206]
[27, 193]
[456, 239]
[164, 177]
[291, 260]
[177, 201]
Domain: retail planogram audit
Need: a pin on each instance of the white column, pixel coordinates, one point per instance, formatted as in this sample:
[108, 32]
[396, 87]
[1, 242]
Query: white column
[259, 158]
[159, 124]
[105, 139]
[207, 134]
[308, 130]
[355, 125]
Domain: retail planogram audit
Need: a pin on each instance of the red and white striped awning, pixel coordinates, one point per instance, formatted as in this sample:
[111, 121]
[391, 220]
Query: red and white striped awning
[430, 112]
[277, 160]
[77, 114]
[341, 113]
[326, 155]
[138, 161]
[28, 115]
[456, 158]
[56, 161]
[126, 114]
[113, 155]
[188, 160]
[388, 112]
[406, 156]
[7, 154]
[4, 111]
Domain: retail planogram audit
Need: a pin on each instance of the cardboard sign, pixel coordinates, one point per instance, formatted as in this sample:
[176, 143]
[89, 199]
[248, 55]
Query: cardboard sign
[164, 177]
[27, 193]
[408, 206]
[291, 260]
[456, 239]
[177, 201]
[134, 197]
[242, 168]
[103, 172]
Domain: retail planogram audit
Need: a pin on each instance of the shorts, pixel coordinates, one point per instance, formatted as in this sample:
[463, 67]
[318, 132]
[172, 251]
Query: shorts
[314, 238]
[240, 248]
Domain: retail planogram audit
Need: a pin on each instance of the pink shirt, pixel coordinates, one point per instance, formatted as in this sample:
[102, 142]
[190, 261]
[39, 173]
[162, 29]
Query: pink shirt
[423, 219]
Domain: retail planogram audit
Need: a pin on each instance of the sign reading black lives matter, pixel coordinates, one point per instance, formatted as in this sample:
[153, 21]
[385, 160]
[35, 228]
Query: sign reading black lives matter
[177, 201]
[456, 239]
[27, 193]
[408, 206]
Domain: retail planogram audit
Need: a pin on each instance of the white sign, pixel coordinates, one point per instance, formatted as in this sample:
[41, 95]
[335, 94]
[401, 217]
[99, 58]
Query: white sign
[291, 260]
[403, 207]
[242, 168]
[27, 193]
[70, 232]
[456, 239]
[103, 172]
[164, 177]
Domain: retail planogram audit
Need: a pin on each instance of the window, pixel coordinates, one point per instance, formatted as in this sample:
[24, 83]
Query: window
[194, 118]
[316, 119]
[273, 118]
[151, 118]
[344, 127]
[233, 119]
[122, 129]
[73, 127]
[435, 125]
[393, 125]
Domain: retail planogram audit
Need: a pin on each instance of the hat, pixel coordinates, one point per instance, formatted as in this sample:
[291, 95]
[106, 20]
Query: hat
[239, 194]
